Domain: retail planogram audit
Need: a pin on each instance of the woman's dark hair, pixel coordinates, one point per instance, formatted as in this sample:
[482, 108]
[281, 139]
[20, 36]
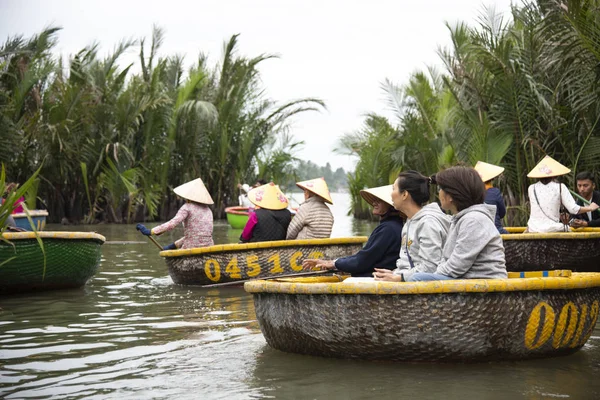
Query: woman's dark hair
[416, 185]
[582, 176]
[546, 181]
[463, 184]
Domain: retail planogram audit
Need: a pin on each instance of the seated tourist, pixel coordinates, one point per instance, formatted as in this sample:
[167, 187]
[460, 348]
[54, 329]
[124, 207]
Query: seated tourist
[381, 250]
[585, 187]
[314, 219]
[270, 219]
[493, 196]
[473, 248]
[424, 232]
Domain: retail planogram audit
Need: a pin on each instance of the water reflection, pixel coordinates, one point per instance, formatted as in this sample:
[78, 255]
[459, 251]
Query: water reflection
[131, 333]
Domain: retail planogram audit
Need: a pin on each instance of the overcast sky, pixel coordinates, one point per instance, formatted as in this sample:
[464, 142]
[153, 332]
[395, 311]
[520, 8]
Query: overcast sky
[339, 51]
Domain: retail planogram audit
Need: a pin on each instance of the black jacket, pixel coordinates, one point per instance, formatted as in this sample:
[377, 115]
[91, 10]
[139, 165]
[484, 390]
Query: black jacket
[595, 222]
[271, 225]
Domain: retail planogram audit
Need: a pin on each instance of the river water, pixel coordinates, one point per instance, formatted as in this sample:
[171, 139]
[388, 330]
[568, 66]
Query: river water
[130, 333]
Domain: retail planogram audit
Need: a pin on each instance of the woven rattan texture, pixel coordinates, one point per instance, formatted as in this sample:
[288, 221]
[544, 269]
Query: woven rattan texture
[581, 255]
[69, 263]
[465, 327]
[221, 267]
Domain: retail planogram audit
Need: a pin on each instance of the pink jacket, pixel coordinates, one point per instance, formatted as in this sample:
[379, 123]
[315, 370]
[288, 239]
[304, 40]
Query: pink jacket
[197, 226]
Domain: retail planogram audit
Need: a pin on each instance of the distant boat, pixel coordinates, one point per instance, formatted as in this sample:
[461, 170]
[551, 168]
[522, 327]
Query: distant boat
[38, 217]
[237, 217]
[66, 260]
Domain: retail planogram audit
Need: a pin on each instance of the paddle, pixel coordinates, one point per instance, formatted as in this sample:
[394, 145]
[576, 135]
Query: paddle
[155, 242]
[587, 203]
[268, 278]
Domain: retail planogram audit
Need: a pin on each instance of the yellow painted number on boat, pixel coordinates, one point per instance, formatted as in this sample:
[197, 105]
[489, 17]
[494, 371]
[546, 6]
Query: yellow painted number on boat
[208, 270]
[534, 323]
[232, 269]
[569, 311]
[276, 264]
[317, 255]
[253, 265]
[294, 261]
[567, 330]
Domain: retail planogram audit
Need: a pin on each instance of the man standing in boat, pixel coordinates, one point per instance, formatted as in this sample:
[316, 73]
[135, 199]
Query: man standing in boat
[585, 187]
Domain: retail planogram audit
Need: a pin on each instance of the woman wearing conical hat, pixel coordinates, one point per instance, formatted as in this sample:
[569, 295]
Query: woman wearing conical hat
[197, 218]
[314, 219]
[271, 218]
[546, 197]
[488, 173]
[383, 246]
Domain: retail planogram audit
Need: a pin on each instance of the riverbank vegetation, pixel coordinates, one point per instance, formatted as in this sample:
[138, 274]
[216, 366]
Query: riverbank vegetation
[112, 143]
[509, 93]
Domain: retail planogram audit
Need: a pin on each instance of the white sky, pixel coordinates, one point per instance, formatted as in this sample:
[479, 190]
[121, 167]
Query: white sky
[339, 51]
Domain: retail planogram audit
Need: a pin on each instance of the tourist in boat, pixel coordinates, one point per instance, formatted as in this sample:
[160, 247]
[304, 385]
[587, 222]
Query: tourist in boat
[473, 248]
[196, 216]
[424, 232]
[382, 248]
[314, 219]
[244, 189]
[493, 196]
[585, 187]
[270, 219]
[20, 201]
[546, 197]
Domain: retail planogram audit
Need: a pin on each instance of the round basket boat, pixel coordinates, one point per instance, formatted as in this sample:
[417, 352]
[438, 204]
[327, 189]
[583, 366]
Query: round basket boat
[239, 262]
[237, 217]
[577, 250]
[62, 260]
[38, 219]
[443, 321]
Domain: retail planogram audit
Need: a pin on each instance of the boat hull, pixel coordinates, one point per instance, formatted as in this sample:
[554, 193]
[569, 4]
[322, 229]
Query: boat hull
[239, 262]
[453, 321]
[38, 217]
[70, 260]
[237, 217]
[578, 251]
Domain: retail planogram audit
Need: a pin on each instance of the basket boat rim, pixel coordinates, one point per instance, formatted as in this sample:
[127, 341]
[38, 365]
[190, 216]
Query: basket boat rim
[518, 233]
[327, 285]
[53, 235]
[32, 213]
[262, 245]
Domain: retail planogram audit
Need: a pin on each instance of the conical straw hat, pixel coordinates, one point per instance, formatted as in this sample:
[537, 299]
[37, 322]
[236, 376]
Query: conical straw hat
[268, 196]
[488, 171]
[317, 186]
[548, 168]
[383, 193]
[194, 191]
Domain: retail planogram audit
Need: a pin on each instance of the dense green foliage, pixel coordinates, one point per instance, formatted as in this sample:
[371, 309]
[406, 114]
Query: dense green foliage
[510, 93]
[113, 143]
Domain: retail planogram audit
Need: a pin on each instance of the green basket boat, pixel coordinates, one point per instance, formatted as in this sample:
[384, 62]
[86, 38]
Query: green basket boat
[239, 262]
[237, 217]
[577, 250]
[71, 259]
[470, 320]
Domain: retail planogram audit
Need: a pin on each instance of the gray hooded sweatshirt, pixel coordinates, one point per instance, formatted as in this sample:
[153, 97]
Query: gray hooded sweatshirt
[424, 236]
[474, 248]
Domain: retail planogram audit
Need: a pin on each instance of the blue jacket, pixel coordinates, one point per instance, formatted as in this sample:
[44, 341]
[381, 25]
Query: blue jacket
[381, 250]
[494, 197]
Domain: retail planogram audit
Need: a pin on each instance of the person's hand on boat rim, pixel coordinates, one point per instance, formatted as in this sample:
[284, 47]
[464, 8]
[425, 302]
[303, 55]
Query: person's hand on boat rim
[312, 264]
[382, 274]
[145, 231]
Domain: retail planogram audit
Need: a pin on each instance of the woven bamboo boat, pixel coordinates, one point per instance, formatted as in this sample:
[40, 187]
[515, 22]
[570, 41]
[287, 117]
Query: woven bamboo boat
[38, 218]
[71, 259]
[443, 321]
[578, 250]
[239, 262]
[237, 217]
